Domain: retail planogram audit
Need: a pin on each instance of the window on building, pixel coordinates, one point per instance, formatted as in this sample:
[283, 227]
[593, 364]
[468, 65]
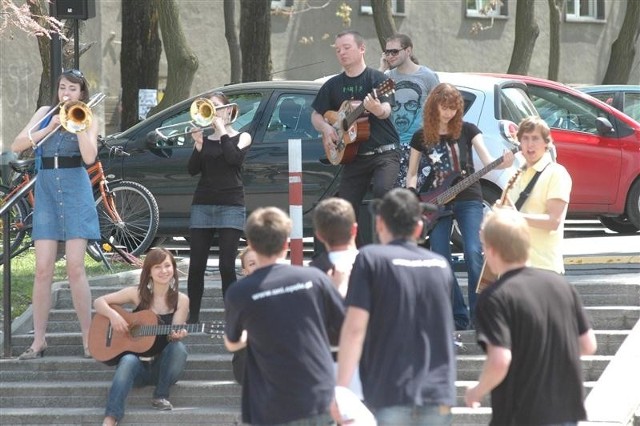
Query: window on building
[487, 8]
[585, 10]
[281, 4]
[397, 7]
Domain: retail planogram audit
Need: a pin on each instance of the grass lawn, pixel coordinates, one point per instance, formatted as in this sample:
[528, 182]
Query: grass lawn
[22, 273]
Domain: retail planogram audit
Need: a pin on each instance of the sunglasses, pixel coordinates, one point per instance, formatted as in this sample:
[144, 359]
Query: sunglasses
[74, 72]
[393, 52]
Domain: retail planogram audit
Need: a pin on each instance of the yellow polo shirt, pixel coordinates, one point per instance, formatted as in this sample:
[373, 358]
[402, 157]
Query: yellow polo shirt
[553, 183]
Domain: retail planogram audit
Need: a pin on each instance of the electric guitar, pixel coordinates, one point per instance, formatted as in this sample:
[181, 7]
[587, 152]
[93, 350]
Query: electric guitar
[106, 345]
[487, 276]
[352, 127]
[452, 186]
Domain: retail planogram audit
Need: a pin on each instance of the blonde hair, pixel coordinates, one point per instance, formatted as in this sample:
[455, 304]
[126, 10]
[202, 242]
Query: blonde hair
[507, 232]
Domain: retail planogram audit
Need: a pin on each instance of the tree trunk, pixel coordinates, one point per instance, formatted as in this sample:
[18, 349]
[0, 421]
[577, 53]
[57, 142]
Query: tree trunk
[37, 9]
[555, 18]
[623, 50]
[231, 35]
[526, 34]
[383, 20]
[139, 56]
[255, 39]
[182, 63]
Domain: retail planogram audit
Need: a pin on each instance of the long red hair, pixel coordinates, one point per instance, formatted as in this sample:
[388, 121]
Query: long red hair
[444, 94]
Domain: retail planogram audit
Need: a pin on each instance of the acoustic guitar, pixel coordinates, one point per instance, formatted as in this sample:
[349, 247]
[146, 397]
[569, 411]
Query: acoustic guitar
[487, 276]
[106, 345]
[452, 186]
[352, 126]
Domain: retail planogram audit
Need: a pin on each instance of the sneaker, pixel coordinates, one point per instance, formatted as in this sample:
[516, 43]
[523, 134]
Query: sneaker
[161, 404]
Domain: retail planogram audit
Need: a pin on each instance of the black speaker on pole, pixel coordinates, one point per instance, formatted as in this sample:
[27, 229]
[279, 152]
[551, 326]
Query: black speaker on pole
[75, 9]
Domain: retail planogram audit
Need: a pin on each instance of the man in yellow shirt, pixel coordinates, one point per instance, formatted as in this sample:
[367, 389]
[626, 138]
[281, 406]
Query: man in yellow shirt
[545, 208]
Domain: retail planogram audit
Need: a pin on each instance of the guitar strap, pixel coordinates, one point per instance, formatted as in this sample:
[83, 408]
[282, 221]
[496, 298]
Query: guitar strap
[527, 191]
[464, 166]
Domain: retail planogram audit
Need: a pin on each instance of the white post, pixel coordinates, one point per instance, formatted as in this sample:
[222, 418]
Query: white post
[295, 200]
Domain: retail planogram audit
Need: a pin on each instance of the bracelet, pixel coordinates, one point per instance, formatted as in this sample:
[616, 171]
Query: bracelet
[33, 144]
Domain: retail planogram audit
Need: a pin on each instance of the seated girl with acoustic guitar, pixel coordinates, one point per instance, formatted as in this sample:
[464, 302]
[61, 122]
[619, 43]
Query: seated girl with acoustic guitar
[448, 142]
[164, 362]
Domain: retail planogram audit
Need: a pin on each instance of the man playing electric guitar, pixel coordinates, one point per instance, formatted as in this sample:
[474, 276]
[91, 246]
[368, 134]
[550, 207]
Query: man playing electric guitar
[447, 142]
[377, 160]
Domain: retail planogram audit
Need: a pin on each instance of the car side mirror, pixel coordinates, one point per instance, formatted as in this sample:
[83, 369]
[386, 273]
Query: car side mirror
[158, 145]
[604, 126]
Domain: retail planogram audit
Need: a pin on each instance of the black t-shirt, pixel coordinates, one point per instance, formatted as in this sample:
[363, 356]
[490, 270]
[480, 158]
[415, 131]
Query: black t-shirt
[539, 316]
[292, 314]
[448, 158]
[220, 168]
[408, 356]
[341, 87]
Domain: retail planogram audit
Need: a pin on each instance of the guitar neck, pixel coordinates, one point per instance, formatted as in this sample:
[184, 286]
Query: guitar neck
[352, 117]
[454, 190]
[158, 329]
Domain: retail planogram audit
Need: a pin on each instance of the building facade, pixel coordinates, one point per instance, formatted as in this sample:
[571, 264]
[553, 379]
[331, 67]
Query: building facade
[442, 32]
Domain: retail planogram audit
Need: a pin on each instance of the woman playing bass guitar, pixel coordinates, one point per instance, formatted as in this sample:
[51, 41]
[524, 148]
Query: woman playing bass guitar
[447, 142]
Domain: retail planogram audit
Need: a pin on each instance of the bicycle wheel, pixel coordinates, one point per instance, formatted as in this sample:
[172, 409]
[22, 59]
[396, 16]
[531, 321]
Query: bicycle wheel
[138, 211]
[18, 227]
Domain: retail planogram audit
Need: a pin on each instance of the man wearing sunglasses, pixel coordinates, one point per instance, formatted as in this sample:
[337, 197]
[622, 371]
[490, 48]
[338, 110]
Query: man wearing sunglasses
[413, 84]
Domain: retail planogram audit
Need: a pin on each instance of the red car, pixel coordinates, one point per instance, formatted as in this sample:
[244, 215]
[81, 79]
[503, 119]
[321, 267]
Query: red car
[599, 146]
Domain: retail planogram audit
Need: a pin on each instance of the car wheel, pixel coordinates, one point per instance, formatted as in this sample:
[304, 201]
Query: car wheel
[618, 224]
[489, 197]
[633, 204]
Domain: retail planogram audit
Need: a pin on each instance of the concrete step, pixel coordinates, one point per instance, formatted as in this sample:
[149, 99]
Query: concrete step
[70, 344]
[64, 368]
[469, 366]
[609, 342]
[74, 394]
[205, 367]
[190, 415]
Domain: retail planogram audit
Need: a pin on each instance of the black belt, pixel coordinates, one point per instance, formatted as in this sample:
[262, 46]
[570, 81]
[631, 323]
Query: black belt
[379, 150]
[61, 162]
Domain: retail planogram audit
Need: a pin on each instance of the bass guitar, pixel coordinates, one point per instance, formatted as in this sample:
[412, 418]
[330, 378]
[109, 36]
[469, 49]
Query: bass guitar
[487, 276]
[352, 127]
[452, 186]
[106, 345]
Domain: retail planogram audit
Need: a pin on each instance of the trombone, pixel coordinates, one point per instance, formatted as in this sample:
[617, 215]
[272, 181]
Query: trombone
[75, 116]
[202, 112]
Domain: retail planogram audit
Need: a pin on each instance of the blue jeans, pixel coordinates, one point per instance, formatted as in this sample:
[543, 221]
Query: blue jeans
[406, 415]
[162, 372]
[468, 214]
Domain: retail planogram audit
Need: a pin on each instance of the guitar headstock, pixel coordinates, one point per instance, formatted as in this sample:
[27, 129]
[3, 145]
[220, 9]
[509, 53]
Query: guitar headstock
[385, 88]
[214, 328]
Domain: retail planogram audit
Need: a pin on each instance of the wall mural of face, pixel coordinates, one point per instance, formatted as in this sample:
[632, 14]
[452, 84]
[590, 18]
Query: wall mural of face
[408, 105]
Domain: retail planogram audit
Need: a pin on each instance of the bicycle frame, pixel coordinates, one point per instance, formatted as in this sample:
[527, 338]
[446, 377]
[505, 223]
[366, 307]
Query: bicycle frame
[100, 184]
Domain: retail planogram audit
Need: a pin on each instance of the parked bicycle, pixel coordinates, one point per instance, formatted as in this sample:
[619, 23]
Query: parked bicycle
[127, 211]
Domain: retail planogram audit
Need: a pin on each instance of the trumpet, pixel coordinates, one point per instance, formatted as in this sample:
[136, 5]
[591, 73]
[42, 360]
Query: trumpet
[75, 116]
[202, 112]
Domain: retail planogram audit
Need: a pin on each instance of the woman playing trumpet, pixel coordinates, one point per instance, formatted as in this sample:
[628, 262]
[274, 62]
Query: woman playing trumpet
[64, 206]
[218, 202]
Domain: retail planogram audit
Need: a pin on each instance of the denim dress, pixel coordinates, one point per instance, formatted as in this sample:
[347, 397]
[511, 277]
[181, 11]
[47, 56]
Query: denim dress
[64, 205]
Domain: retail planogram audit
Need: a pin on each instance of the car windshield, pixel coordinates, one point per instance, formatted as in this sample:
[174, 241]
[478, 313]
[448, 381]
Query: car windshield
[515, 105]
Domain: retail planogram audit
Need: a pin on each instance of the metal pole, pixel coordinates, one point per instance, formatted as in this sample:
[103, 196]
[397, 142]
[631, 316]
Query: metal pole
[6, 288]
[76, 44]
[55, 52]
